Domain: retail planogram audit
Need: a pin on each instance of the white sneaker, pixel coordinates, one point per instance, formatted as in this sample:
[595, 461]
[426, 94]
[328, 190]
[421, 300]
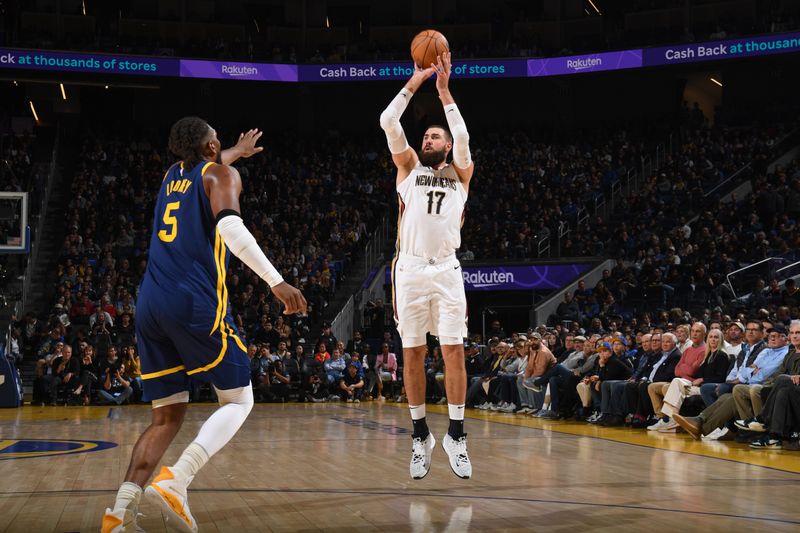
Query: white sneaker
[483, 406]
[510, 408]
[716, 434]
[169, 494]
[121, 521]
[421, 451]
[457, 453]
[356, 401]
[381, 399]
[658, 425]
[669, 427]
[494, 407]
[349, 400]
[441, 401]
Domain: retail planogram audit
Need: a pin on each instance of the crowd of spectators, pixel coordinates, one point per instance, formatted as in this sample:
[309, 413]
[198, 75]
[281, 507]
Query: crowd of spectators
[717, 377]
[533, 190]
[254, 45]
[312, 211]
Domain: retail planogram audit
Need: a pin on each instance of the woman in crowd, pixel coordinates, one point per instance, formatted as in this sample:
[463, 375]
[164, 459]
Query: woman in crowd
[133, 371]
[713, 369]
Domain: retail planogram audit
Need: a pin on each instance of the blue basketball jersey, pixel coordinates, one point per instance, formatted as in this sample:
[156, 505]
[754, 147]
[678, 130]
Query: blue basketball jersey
[184, 328]
[186, 249]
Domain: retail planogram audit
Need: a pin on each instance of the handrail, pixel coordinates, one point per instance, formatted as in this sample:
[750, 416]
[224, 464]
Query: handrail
[728, 277]
[788, 266]
[728, 179]
[36, 237]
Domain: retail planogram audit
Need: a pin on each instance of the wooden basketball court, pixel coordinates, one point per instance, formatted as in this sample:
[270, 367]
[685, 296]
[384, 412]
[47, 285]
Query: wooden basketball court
[344, 467]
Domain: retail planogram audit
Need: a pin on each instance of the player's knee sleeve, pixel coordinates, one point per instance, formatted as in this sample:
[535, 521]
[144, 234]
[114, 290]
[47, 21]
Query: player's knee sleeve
[449, 341]
[240, 396]
[178, 397]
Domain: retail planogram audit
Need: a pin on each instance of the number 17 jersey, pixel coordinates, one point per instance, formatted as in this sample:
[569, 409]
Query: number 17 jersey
[431, 212]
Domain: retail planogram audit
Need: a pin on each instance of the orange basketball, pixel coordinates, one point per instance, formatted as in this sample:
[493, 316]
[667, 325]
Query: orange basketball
[426, 46]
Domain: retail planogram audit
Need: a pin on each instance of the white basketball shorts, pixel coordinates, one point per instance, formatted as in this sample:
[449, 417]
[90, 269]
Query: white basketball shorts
[428, 297]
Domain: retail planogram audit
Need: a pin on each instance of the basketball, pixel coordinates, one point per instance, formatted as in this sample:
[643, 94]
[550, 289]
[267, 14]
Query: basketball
[426, 46]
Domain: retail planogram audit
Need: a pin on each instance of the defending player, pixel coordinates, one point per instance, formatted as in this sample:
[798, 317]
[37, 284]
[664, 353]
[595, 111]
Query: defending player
[184, 328]
[427, 282]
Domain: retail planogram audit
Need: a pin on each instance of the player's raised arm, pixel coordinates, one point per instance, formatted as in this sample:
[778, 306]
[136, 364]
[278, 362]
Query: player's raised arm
[404, 157]
[244, 147]
[462, 159]
[226, 185]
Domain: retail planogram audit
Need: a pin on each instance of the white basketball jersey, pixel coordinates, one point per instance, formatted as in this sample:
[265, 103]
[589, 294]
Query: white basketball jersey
[431, 212]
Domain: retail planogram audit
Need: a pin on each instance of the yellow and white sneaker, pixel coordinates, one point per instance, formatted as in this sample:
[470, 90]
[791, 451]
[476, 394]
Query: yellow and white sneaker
[170, 495]
[122, 521]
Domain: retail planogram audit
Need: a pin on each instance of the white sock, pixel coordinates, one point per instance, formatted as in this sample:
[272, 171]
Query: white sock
[128, 497]
[417, 411]
[456, 411]
[192, 460]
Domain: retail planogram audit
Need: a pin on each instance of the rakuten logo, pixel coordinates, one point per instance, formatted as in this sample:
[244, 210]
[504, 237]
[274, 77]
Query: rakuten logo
[488, 279]
[581, 64]
[235, 70]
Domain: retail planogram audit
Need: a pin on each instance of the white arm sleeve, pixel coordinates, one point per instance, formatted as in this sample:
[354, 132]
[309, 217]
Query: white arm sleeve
[461, 156]
[390, 122]
[243, 245]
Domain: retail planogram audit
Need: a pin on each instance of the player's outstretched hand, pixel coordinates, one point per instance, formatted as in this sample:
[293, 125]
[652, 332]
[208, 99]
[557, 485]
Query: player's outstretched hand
[292, 298]
[442, 69]
[419, 77]
[247, 143]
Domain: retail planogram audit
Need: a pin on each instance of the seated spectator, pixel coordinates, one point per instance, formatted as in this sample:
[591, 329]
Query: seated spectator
[88, 378]
[434, 376]
[540, 360]
[322, 354]
[612, 405]
[687, 369]
[115, 388]
[66, 374]
[477, 394]
[712, 370]
[279, 382]
[334, 368]
[778, 420]
[610, 369]
[505, 387]
[351, 385]
[387, 369]
[747, 394]
[133, 370]
[740, 405]
[751, 348]
[554, 378]
[662, 370]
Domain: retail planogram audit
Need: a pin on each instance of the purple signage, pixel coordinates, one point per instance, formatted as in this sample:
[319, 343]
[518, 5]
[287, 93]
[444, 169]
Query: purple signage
[102, 63]
[465, 69]
[555, 66]
[489, 68]
[518, 277]
[731, 49]
[235, 70]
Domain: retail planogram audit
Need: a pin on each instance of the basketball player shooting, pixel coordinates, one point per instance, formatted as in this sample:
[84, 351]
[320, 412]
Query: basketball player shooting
[184, 327]
[428, 287]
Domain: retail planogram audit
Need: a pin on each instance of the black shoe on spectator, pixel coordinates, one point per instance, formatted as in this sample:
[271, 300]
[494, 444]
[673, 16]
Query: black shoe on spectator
[792, 446]
[746, 436]
[768, 442]
[642, 423]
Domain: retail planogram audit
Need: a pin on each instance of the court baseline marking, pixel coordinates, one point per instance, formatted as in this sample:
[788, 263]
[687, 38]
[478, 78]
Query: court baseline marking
[430, 495]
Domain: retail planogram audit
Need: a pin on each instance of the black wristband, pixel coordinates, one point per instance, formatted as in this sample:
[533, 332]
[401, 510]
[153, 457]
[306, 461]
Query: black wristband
[226, 213]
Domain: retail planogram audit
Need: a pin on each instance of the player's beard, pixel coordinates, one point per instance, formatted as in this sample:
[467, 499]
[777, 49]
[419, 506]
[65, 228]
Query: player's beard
[431, 158]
